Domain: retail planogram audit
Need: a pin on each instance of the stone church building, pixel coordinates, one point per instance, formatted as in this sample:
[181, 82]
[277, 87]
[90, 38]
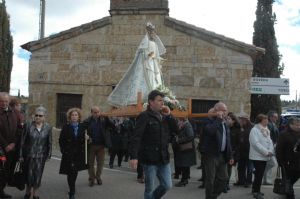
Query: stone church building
[80, 66]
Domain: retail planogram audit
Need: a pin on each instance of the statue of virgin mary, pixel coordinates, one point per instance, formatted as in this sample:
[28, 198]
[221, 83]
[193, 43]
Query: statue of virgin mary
[144, 74]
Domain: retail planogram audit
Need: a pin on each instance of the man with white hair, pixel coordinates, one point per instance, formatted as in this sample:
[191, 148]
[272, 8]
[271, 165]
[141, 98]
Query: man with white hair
[8, 138]
[217, 152]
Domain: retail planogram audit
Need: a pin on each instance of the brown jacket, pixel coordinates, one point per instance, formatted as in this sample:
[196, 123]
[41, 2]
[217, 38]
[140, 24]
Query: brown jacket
[8, 127]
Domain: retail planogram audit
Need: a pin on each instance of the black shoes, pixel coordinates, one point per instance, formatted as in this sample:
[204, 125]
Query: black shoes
[71, 196]
[238, 184]
[141, 180]
[99, 181]
[91, 183]
[182, 183]
[4, 195]
[226, 189]
[202, 186]
[27, 196]
[261, 193]
[258, 195]
[35, 197]
[267, 183]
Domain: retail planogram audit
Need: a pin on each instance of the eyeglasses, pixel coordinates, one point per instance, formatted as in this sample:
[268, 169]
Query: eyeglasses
[39, 115]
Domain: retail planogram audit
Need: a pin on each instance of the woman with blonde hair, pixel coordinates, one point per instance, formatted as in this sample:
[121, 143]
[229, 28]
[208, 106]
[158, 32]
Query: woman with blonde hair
[261, 150]
[72, 146]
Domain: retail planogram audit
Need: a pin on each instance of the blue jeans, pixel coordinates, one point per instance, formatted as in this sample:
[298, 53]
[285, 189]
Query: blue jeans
[163, 173]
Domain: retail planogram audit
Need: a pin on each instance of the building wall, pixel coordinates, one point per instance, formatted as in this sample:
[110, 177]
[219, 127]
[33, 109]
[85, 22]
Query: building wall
[91, 63]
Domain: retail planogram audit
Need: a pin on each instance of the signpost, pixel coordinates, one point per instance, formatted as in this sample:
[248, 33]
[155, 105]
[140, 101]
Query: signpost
[276, 86]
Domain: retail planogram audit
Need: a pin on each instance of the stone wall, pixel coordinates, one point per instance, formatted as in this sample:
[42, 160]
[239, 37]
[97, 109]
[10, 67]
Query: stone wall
[91, 63]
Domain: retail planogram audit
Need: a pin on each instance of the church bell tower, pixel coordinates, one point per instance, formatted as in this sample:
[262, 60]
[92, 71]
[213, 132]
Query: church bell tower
[125, 7]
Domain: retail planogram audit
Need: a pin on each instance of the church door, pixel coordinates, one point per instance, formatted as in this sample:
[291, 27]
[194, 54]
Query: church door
[64, 103]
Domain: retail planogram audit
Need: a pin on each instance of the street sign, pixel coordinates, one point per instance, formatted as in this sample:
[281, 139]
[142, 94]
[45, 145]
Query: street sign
[276, 86]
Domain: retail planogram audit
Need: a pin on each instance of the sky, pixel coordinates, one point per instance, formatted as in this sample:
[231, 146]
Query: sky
[231, 18]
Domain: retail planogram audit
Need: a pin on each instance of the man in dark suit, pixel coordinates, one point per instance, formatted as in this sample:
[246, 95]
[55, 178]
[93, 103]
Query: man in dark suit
[8, 138]
[217, 152]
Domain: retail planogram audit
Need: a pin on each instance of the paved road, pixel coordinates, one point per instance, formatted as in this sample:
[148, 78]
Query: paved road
[120, 183]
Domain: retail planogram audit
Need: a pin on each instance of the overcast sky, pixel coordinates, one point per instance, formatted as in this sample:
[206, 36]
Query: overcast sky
[231, 18]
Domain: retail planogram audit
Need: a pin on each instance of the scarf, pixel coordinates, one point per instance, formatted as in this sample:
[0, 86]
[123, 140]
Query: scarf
[264, 130]
[75, 128]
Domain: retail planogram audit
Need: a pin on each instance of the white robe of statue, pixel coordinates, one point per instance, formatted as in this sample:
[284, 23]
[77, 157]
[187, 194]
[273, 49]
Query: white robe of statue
[143, 75]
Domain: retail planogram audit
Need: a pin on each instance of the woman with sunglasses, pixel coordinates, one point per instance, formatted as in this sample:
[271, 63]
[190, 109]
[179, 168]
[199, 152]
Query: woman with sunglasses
[35, 150]
[72, 146]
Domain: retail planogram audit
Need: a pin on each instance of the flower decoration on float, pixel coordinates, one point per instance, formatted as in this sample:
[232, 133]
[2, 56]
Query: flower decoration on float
[169, 99]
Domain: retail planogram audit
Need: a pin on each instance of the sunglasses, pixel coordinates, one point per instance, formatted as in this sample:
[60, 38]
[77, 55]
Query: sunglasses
[39, 115]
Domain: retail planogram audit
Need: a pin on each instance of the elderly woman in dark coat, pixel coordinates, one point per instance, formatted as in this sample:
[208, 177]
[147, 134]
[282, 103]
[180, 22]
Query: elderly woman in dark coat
[35, 150]
[288, 154]
[185, 156]
[72, 146]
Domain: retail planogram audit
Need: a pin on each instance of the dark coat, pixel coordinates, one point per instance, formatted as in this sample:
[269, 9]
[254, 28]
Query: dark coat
[9, 132]
[72, 149]
[244, 144]
[286, 156]
[185, 158]
[120, 135]
[213, 134]
[235, 132]
[105, 126]
[274, 132]
[42, 141]
[151, 138]
[202, 145]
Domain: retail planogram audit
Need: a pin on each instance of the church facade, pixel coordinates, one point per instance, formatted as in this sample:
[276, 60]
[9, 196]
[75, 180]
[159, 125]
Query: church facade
[81, 66]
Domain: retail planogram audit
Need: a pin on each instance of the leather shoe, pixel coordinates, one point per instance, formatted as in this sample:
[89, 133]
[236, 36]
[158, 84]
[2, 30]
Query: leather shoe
[27, 196]
[238, 184]
[267, 183]
[91, 183]
[4, 195]
[71, 196]
[258, 195]
[181, 183]
[201, 186]
[99, 181]
[261, 193]
[141, 180]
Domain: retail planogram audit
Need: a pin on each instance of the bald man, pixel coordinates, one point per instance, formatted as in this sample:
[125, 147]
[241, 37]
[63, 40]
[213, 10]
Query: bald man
[217, 152]
[99, 139]
[8, 138]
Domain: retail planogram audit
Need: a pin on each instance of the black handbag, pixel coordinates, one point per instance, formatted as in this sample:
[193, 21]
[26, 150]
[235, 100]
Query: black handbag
[279, 183]
[185, 146]
[18, 178]
[282, 184]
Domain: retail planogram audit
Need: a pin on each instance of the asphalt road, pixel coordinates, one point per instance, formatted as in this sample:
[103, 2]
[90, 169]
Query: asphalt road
[120, 183]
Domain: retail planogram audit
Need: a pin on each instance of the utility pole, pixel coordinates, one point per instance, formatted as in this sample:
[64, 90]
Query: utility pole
[42, 19]
[296, 100]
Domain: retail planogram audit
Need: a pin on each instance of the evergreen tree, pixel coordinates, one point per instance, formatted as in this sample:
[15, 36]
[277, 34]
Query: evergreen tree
[6, 49]
[266, 65]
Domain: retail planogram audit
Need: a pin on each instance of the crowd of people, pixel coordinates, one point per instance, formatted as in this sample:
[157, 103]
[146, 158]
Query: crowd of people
[224, 141]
